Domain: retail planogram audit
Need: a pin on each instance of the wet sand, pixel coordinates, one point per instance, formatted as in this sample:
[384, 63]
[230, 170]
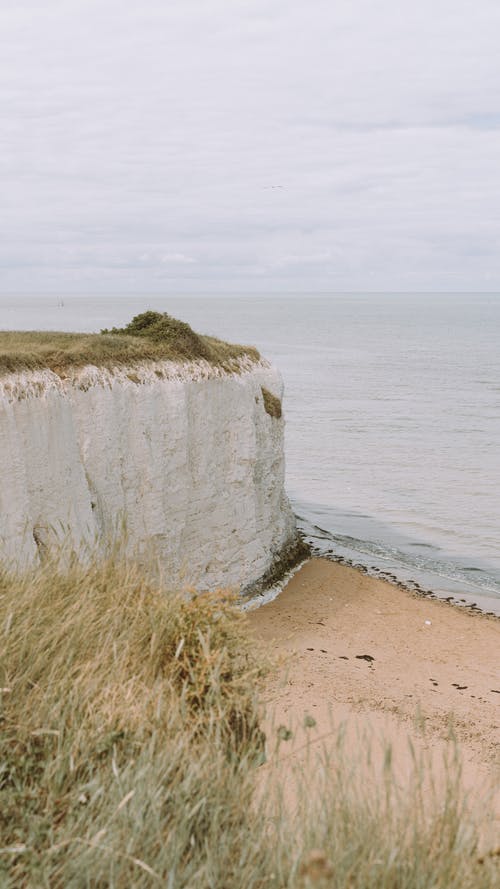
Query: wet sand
[355, 648]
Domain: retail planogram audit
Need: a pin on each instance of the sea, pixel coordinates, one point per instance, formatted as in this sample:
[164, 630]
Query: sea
[392, 407]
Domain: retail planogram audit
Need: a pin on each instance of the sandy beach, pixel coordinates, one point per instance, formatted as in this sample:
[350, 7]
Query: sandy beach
[358, 649]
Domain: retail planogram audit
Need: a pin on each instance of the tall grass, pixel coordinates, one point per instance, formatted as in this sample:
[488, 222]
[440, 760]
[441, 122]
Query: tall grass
[131, 756]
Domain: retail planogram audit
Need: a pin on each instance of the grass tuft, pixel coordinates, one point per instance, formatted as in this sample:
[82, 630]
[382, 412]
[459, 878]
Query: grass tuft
[272, 403]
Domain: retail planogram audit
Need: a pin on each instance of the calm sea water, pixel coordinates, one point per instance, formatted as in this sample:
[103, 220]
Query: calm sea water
[393, 417]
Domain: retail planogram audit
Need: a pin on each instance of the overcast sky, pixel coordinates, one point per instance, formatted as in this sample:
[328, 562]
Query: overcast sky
[249, 145]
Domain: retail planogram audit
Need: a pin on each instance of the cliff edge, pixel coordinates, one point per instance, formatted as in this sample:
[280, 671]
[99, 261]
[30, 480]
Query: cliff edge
[183, 458]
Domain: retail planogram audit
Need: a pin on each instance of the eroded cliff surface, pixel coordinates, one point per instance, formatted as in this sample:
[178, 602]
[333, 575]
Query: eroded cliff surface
[185, 459]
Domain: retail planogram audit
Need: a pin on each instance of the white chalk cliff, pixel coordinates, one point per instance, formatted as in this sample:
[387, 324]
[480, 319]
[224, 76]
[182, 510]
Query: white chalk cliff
[184, 457]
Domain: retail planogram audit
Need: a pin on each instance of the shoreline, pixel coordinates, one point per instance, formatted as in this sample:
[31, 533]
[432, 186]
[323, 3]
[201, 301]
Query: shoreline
[356, 649]
[256, 600]
[442, 576]
[413, 587]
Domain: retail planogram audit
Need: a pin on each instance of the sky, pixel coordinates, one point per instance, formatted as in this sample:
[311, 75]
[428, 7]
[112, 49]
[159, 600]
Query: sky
[175, 146]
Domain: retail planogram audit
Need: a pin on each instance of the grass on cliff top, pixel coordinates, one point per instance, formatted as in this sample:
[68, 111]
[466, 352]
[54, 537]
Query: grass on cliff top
[130, 754]
[150, 336]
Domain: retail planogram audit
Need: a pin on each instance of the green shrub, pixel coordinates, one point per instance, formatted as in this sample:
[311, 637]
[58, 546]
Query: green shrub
[163, 329]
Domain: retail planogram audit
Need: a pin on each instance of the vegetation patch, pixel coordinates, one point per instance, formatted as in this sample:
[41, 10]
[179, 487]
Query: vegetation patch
[272, 403]
[130, 749]
[150, 336]
[129, 721]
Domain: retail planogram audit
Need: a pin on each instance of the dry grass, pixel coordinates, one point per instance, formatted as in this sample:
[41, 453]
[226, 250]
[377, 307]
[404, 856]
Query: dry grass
[150, 336]
[128, 717]
[129, 753]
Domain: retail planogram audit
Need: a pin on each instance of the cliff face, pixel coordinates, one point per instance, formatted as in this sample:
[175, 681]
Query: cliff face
[185, 459]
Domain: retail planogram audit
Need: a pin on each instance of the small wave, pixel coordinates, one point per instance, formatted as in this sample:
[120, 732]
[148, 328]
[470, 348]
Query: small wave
[424, 545]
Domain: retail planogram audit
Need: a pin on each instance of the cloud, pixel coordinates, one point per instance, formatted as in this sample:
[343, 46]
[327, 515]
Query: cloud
[127, 127]
[177, 258]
